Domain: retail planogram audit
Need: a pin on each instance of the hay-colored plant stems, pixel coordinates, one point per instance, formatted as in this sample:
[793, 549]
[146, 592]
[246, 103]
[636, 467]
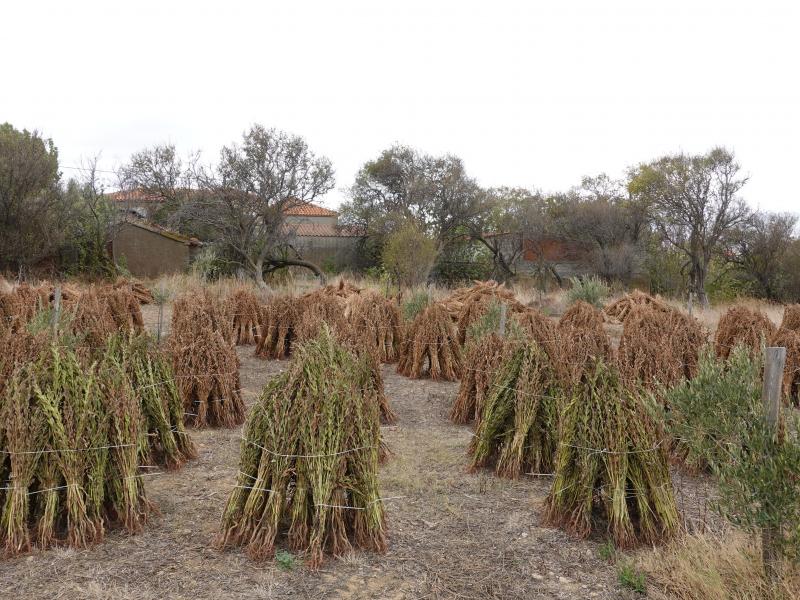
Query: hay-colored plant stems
[376, 321]
[309, 459]
[430, 347]
[659, 348]
[741, 325]
[789, 339]
[791, 318]
[620, 309]
[582, 341]
[243, 309]
[611, 463]
[277, 321]
[23, 437]
[518, 428]
[481, 360]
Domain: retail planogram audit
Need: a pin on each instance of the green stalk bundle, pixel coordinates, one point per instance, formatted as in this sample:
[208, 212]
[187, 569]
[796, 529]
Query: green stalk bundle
[518, 429]
[150, 373]
[206, 365]
[611, 465]
[69, 438]
[309, 459]
[430, 347]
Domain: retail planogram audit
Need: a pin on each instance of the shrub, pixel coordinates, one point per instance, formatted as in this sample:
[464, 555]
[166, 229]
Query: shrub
[409, 254]
[591, 290]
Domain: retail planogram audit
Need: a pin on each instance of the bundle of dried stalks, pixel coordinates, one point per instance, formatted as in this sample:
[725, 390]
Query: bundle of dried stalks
[789, 339]
[742, 325]
[206, 366]
[481, 359]
[377, 323]
[430, 346]
[791, 317]
[477, 305]
[316, 310]
[89, 318]
[517, 431]
[19, 306]
[123, 307]
[243, 308]
[619, 309]
[659, 347]
[209, 309]
[309, 461]
[611, 464]
[541, 329]
[582, 339]
[140, 291]
[277, 322]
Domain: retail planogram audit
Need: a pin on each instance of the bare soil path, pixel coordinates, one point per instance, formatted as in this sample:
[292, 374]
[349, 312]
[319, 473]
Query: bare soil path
[452, 534]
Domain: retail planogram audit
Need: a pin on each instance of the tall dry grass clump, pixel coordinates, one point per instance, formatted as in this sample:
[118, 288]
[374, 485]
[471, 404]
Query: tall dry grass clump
[124, 308]
[376, 321]
[69, 436]
[620, 309]
[517, 431]
[277, 323]
[430, 347]
[18, 306]
[789, 339]
[316, 309]
[139, 290]
[791, 317]
[745, 326]
[469, 304]
[206, 365]
[659, 347]
[611, 466]
[582, 340]
[309, 461]
[243, 310]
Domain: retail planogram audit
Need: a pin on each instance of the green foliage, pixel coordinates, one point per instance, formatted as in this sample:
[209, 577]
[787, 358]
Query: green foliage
[209, 264]
[415, 304]
[591, 289]
[719, 423]
[630, 578]
[607, 551]
[285, 560]
[490, 323]
[409, 254]
[725, 284]
[463, 261]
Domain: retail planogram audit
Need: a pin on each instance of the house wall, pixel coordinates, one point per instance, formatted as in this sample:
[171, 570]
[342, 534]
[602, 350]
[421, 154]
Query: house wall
[149, 254]
[297, 219]
[337, 251]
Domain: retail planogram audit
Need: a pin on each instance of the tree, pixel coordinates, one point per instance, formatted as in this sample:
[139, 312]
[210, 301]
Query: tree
[31, 205]
[693, 202]
[757, 248]
[244, 198]
[409, 254]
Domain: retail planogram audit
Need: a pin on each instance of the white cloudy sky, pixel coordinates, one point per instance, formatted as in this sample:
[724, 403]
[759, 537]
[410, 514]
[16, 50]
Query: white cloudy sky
[528, 93]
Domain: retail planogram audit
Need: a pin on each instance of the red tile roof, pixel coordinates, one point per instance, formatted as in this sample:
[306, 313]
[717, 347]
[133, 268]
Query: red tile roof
[308, 210]
[137, 195]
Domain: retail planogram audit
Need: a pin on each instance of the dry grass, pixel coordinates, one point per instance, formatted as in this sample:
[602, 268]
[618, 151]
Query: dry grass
[377, 323]
[745, 326]
[277, 322]
[706, 567]
[243, 309]
[619, 309]
[481, 359]
[791, 318]
[789, 339]
[582, 340]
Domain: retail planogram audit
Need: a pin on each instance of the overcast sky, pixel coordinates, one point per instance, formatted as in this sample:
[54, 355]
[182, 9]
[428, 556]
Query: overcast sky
[533, 94]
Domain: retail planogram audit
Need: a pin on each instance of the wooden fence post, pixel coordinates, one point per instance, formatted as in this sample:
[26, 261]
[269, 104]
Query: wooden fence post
[689, 303]
[774, 362]
[501, 328]
[54, 316]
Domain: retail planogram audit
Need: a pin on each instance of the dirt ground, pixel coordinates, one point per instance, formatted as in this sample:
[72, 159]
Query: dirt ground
[452, 534]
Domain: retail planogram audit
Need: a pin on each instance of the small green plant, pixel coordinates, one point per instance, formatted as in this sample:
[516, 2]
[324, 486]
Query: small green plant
[630, 578]
[592, 290]
[607, 551]
[285, 560]
[415, 304]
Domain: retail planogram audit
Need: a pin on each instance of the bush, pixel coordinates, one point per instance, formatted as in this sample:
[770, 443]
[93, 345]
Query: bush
[415, 304]
[409, 255]
[591, 290]
[719, 422]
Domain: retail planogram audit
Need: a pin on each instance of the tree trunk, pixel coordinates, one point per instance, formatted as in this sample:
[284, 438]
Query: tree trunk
[699, 274]
[258, 273]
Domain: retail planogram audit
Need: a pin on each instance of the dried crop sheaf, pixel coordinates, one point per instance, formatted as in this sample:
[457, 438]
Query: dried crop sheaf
[582, 339]
[200, 304]
[481, 359]
[789, 339]
[124, 308]
[206, 365]
[318, 308]
[376, 321]
[140, 291]
[430, 347]
[620, 309]
[659, 347]
[518, 428]
[277, 322]
[69, 437]
[611, 466]
[309, 461]
[742, 325]
[791, 318]
[19, 306]
[243, 309]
